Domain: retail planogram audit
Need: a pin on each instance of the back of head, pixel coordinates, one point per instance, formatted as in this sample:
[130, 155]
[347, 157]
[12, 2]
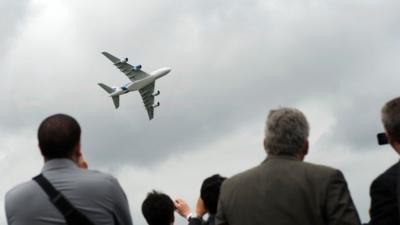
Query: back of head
[209, 192]
[391, 118]
[158, 209]
[58, 135]
[286, 132]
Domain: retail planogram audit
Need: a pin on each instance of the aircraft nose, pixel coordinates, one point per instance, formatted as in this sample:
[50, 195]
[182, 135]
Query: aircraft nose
[167, 70]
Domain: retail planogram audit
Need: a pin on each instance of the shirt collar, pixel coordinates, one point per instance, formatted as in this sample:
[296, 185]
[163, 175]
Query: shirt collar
[55, 164]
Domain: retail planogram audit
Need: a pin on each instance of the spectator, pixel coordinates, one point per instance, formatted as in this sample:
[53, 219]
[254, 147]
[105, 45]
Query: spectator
[158, 209]
[206, 203]
[92, 196]
[384, 189]
[285, 190]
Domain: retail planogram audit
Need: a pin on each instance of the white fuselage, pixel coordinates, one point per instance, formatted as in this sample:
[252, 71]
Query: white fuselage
[139, 84]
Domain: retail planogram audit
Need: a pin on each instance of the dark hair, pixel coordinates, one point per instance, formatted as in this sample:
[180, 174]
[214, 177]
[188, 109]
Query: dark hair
[210, 192]
[158, 209]
[58, 135]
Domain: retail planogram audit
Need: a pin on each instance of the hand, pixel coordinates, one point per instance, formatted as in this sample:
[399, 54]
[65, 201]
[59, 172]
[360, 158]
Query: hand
[82, 163]
[182, 208]
[200, 208]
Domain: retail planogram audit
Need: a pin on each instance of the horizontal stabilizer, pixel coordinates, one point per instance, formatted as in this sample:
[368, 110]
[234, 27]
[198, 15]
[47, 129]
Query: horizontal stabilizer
[106, 88]
[116, 101]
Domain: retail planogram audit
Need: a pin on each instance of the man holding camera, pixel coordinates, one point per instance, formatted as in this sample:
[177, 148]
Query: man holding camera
[206, 203]
[385, 188]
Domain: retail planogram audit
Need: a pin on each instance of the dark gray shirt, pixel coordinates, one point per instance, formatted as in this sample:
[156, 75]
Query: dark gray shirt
[97, 195]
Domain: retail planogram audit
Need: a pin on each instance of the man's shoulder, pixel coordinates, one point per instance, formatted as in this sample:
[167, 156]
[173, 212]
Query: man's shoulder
[297, 165]
[93, 179]
[86, 176]
[320, 169]
[310, 170]
[391, 171]
[243, 175]
[389, 177]
[21, 193]
[21, 188]
[98, 175]
[84, 180]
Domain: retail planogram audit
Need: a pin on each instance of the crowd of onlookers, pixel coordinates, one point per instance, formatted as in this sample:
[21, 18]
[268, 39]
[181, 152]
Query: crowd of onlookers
[282, 190]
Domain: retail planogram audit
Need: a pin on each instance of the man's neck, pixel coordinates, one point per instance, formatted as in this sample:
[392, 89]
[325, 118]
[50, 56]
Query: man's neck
[47, 159]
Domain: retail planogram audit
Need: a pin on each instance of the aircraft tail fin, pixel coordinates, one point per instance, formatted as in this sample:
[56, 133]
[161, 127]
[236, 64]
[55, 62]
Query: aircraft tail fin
[116, 101]
[106, 88]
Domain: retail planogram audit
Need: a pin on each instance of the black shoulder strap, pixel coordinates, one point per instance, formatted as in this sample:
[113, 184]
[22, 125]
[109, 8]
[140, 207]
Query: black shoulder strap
[398, 190]
[71, 214]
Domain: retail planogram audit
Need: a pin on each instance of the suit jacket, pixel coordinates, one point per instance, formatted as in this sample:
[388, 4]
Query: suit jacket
[384, 197]
[199, 221]
[286, 191]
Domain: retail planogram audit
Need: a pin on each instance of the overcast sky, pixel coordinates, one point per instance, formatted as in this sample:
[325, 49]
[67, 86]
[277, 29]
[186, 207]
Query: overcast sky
[232, 61]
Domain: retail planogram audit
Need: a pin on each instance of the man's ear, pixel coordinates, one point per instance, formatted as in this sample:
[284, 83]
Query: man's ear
[41, 153]
[77, 151]
[389, 138]
[395, 144]
[39, 149]
[304, 151]
[306, 146]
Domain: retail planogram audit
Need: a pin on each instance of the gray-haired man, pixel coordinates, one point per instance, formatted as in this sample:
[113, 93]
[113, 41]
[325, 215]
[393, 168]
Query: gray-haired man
[285, 190]
[385, 189]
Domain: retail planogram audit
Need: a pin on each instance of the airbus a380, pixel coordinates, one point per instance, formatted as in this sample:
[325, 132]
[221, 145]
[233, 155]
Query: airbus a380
[140, 81]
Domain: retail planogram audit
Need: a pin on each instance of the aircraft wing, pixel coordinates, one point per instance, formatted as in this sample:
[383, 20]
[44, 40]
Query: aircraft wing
[148, 98]
[132, 73]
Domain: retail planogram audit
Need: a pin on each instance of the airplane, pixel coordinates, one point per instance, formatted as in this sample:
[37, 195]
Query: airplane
[139, 81]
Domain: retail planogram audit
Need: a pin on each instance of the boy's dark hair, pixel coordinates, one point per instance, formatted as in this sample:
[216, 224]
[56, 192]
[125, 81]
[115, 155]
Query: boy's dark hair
[58, 135]
[209, 192]
[158, 209]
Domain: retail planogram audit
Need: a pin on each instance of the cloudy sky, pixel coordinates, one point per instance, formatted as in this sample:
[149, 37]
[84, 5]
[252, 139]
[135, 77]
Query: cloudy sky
[232, 61]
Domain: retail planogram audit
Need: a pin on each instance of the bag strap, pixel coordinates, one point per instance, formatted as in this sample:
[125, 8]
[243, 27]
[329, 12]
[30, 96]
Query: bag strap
[398, 190]
[71, 214]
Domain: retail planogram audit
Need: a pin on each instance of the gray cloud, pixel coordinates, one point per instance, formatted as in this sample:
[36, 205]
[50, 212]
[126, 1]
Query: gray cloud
[231, 63]
[13, 16]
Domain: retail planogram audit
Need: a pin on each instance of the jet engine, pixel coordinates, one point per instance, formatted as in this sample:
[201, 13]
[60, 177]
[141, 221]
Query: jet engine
[137, 67]
[155, 93]
[156, 105]
[125, 60]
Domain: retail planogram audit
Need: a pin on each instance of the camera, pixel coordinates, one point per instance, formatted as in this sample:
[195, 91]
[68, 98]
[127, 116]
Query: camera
[382, 139]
